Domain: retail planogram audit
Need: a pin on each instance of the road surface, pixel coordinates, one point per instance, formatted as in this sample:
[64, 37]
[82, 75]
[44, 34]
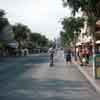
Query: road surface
[31, 78]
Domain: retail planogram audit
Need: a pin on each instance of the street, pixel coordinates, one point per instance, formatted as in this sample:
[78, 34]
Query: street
[31, 78]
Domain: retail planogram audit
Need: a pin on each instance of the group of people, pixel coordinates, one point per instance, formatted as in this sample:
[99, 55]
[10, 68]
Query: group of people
[84, 54]
[67, 54]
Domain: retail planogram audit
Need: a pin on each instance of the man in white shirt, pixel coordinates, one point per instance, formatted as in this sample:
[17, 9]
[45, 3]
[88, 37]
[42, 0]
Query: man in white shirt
[51, 52]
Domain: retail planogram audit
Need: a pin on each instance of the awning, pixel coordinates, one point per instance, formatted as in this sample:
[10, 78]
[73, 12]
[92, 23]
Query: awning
[13, 45]
[98, 42]
[98, 23]
[78, 44]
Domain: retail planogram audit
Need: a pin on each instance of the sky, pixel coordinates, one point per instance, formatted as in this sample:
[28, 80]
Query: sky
[42, 16]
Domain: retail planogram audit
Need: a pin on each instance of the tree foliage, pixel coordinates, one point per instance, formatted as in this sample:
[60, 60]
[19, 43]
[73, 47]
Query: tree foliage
[91, 8]
[38, 40]
[5, 29]
[21, 35]
[3, 20]
[21, 32]
[65, 40]
[72, 28]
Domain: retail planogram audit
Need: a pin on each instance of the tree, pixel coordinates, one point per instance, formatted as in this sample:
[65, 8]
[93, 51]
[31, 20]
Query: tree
[38, 40]
[2, 13]
[65, 40]
[3, 20]
[43, 41]
[91, 8]
[34, 37]
[72, 28]
[21, 34]
[6, 33]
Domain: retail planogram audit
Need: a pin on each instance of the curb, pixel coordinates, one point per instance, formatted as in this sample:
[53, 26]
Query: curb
[90, 80]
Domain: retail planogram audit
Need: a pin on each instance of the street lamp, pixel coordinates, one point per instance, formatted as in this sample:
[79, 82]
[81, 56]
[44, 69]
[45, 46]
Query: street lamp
[75, 46]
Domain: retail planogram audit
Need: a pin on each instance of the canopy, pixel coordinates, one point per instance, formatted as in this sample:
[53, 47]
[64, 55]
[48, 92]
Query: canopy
[98, 42]
[13, 45]
[78, 44]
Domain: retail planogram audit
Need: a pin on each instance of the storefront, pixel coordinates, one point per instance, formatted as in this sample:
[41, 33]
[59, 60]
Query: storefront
[96, 59]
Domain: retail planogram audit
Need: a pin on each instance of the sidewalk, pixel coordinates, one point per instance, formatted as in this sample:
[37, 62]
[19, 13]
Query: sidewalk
[88, 73]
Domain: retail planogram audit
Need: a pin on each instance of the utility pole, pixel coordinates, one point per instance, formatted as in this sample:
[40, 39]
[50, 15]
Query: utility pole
[75, 46]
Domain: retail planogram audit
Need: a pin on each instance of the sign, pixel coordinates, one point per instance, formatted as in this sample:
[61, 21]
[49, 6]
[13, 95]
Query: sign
[97, 66]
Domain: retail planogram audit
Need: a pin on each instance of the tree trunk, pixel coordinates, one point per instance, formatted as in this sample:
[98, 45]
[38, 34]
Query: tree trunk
[19, 47]
[75, 54]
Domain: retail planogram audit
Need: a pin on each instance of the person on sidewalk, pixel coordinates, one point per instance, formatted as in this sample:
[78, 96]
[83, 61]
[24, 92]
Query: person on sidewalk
[83, 55]
[68, 55]
[51, 52]
[87, 56]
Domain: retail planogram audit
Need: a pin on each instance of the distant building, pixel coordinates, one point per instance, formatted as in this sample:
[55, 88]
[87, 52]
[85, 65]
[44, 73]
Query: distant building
[85, 35]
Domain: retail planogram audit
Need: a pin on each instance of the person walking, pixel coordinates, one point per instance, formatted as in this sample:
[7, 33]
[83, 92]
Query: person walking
[68, 55]
[51, 52]
[87, 56]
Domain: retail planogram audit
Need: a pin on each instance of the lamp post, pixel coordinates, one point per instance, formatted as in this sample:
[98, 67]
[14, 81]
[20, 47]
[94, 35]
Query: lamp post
[75, 46]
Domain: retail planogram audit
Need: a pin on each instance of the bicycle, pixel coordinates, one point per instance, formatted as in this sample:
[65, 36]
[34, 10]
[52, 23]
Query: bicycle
[51, 60]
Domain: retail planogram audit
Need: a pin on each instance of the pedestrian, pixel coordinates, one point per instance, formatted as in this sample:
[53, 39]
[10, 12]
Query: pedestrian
[51, 52]
[80, 55]
[68, 56]
[87, 55]
[83, 56]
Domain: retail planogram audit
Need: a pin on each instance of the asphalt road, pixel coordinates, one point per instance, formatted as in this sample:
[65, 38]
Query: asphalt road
[31, 78]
